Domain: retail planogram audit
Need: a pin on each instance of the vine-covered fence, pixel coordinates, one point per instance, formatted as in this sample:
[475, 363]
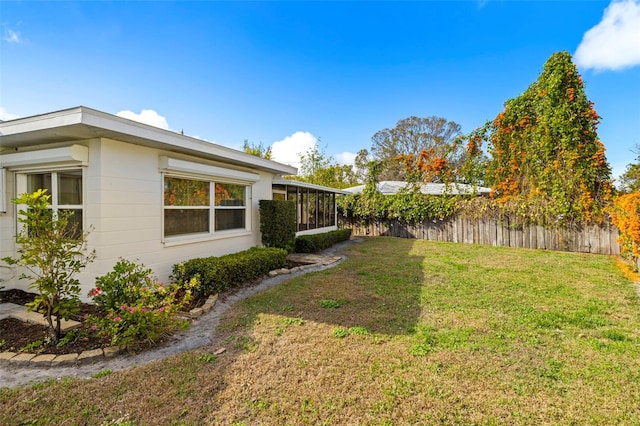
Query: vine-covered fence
[600, 239]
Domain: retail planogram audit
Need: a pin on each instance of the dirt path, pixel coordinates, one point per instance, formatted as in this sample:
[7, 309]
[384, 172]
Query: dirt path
[202, 332]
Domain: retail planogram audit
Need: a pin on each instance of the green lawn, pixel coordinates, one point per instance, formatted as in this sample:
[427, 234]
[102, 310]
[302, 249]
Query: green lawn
[402, 332]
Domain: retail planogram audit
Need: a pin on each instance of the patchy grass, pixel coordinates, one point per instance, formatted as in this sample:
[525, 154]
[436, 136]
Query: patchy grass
[430, 333]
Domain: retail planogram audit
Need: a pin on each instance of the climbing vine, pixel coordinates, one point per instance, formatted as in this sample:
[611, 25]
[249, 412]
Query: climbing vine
[408, 206]
[625, 215]
[544, 147]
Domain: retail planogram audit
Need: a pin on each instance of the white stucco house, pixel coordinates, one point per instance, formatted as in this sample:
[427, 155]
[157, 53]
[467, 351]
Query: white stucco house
[148, 194]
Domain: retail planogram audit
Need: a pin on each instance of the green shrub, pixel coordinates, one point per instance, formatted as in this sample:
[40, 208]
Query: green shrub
[316, 242]
[218, 274]
[139, 308]
[278, 223]
[121, 286]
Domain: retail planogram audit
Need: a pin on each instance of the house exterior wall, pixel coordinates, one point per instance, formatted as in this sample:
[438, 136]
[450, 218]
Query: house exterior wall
[7, 233]
[123, 206]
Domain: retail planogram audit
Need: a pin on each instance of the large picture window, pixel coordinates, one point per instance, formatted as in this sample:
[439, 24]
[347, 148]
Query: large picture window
[202, 207]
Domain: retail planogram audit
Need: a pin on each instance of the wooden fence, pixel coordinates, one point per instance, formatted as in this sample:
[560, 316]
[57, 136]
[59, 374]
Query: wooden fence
[584, 239]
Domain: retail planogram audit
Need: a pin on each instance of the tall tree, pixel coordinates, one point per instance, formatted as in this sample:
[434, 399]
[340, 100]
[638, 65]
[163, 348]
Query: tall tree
[431, 138]
[545, 144]
[361, 165]
[258, 150]
[630, 179]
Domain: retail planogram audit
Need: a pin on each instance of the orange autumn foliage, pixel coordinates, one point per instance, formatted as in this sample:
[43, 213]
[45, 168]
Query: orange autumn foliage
[625, 215]
[428, 166]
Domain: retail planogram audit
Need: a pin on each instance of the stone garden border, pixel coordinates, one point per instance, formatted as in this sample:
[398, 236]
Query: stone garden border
[19, 359]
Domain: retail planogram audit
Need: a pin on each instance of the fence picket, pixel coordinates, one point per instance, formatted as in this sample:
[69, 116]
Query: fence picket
[600, 239]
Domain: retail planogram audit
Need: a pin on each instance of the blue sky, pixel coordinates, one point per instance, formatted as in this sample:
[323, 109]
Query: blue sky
[290, 74]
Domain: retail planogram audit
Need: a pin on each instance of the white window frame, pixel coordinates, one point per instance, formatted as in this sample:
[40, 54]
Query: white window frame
[212, 234]
[184, 169]
[21, 185]
[3, 190]
[166, 207]
[245, 207]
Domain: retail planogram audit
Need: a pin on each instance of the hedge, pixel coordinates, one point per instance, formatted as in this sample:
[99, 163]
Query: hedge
[218, 274]
[278, 223]
[317, 242]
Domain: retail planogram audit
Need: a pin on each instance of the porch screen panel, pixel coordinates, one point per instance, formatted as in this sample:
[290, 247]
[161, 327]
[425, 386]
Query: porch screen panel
[304, 210]
[313, 209]
[321, 209]
[332, 210]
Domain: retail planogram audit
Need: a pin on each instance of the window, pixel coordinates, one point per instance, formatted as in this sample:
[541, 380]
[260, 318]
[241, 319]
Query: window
[190, 206]
[186, 206]
[65, 189]
[229, 207]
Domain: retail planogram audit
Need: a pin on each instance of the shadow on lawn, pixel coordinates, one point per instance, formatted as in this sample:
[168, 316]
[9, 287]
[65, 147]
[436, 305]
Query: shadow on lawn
[377, 287]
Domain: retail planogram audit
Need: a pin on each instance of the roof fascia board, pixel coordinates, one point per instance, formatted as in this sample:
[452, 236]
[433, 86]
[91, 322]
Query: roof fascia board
[299, 184]
[174, 140]
[51, 120]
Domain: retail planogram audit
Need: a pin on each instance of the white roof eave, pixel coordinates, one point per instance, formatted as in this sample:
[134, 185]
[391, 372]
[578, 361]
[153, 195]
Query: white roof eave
[291, 182]
[84, 123]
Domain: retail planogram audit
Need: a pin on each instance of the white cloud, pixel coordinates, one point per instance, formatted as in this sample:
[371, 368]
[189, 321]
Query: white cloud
[286, 151]
[5, 115]
[11, 36]
[147, 116]
[347, 158]
[615, 42]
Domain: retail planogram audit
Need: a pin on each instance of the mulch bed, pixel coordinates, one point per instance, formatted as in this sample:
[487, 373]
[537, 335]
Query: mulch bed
[16, 334]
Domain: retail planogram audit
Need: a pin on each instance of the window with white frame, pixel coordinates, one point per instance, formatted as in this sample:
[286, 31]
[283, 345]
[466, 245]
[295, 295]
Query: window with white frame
[187, 206]
[195, 206]
[230, 206]
[65, 190]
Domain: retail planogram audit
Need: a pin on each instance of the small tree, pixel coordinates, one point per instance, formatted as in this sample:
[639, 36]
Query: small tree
[321, 169]
[53, 252]
[257, 149]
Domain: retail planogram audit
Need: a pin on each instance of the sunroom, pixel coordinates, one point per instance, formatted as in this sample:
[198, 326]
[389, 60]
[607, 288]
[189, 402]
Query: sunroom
[315, 204]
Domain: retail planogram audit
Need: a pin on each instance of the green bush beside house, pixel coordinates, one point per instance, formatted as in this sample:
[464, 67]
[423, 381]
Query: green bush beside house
[218, 274]
[316, 242]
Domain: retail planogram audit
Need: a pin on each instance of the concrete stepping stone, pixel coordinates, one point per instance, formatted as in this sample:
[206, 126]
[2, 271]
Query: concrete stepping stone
[22, 313]
[313, 258]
